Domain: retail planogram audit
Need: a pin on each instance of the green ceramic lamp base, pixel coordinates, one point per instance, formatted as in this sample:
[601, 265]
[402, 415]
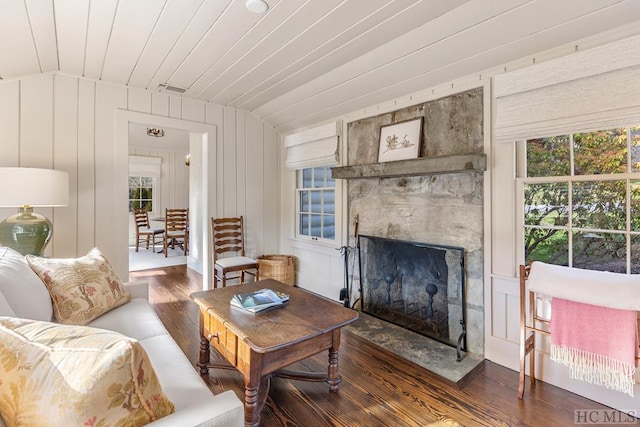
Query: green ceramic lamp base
[26, 232]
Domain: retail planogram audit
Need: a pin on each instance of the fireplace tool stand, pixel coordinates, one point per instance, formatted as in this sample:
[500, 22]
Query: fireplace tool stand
[344, 292]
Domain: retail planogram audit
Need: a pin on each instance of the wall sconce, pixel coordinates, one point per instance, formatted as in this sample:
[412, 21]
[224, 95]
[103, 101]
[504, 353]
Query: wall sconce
[157, 132]
[187, 160]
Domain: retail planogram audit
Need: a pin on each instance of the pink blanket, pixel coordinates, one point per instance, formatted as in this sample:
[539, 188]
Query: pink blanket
[599, 344]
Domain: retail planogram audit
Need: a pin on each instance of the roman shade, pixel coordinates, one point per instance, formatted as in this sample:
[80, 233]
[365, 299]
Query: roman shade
[594, 89]
[313, 147]
[145, 166]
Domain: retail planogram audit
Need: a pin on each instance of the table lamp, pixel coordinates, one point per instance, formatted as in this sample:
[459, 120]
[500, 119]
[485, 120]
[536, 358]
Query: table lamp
[28, 232]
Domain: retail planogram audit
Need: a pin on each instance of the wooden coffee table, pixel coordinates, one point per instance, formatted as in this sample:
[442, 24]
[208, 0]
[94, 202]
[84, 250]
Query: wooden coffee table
[260, 345]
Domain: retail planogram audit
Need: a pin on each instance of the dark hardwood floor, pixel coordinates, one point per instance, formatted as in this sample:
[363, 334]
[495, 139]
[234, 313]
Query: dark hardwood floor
[378, 388]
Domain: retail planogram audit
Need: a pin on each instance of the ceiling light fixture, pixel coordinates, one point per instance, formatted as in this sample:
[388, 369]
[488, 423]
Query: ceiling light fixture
[257, 6]
[157, 132]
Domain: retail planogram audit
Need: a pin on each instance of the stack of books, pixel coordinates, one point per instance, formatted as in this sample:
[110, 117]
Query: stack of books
[259, 300]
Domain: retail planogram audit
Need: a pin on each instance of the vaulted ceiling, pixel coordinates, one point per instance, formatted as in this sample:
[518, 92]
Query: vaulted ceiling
[301, 62]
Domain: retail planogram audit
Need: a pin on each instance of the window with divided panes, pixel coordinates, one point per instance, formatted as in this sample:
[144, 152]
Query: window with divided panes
[315, 202]
[581, 200]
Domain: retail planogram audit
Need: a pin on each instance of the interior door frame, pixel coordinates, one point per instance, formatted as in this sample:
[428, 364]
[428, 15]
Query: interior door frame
[206, 135]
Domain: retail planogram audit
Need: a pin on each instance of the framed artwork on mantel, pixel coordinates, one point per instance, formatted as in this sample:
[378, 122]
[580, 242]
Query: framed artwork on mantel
[400, 141]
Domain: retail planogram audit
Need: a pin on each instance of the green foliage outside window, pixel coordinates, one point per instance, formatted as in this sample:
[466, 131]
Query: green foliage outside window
[140, 193]
[588, 213]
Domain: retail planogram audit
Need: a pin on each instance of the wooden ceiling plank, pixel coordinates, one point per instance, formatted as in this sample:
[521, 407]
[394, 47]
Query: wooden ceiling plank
[314, 108]
[296, 24]
[388, 24]
[44, 33]
[243, 46]
[17, 50]
[335, 22]
[71, 27]
[132, 27]
[226, 31]
[101, 16]
[443, 42]
[431, 33]
[174, 20]
[205, 17]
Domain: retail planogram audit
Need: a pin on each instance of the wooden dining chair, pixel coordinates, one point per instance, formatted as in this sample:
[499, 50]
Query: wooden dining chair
[228, 251]
[176, 223]
[143, 230]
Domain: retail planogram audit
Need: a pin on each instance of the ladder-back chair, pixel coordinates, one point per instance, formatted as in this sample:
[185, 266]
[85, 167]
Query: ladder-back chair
[143, 230]
[228, 239]
[176, 222]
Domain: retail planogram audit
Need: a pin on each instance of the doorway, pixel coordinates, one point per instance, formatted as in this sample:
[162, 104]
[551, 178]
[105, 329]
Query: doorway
[159, 164]
[202, 186]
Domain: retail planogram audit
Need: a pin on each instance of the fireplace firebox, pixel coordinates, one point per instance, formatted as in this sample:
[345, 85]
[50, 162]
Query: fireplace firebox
[417, 286]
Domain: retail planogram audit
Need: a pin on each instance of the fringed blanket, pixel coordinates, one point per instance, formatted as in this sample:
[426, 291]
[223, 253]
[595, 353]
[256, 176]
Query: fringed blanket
[593, 325]
[598, 344]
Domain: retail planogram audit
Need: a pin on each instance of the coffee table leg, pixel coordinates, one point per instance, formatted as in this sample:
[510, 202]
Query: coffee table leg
[254, 397]
[204, 349]
[333, 378]
[204, 356]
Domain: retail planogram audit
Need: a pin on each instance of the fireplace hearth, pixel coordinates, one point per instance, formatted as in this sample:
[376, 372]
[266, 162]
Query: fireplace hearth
[417, 286]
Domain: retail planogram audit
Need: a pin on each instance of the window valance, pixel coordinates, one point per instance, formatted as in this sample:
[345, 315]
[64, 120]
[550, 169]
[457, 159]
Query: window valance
[313, 147]
[145, 166]
[594, 89]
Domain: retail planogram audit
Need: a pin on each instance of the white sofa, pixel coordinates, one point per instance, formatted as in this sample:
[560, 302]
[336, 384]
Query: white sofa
[23, 295]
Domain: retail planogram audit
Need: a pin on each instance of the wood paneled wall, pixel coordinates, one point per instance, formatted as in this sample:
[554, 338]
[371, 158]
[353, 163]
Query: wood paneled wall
[69, 123]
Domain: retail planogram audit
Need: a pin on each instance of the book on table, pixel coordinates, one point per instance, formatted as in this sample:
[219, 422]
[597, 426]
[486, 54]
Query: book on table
[259, 300]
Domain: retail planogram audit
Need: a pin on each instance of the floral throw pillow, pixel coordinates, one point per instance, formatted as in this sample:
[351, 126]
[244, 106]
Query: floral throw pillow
[81, 288]
[65, 375]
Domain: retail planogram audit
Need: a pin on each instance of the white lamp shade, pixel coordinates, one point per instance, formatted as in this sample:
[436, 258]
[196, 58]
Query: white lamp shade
[34, 187]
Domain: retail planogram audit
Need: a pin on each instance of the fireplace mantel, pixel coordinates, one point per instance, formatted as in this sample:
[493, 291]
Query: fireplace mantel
[413, 167]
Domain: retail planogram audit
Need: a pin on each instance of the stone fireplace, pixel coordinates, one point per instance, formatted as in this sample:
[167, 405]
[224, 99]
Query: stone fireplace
[437, 198]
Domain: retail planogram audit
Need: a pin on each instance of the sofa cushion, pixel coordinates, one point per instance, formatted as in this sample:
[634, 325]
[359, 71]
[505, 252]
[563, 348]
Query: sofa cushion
[22, 288]
[136, 319]
[81, 288]
[75, 375]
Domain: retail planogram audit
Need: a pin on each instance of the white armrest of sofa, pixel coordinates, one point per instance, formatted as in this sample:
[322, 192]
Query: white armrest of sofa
[138, 289]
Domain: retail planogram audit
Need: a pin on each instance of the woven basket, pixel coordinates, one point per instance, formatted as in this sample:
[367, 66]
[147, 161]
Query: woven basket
[277, 267]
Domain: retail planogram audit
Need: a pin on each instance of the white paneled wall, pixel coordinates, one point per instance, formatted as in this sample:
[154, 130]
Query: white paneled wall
[69, 123]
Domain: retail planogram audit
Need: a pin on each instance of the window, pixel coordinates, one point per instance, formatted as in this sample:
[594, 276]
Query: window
[581, 200]
[316, 210]
[141, 192]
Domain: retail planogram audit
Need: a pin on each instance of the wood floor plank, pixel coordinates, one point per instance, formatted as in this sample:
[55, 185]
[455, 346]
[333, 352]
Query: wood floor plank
[378, 387]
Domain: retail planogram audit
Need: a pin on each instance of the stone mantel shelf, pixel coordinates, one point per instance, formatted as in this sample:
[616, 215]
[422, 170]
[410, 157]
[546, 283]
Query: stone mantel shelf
[413, 167]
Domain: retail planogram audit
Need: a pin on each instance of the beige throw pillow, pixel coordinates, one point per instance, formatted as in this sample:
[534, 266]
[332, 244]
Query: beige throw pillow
[62, 375]
[81, 288]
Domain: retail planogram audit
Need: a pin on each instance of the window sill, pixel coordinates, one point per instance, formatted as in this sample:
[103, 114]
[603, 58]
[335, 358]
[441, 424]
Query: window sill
[315, 246]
